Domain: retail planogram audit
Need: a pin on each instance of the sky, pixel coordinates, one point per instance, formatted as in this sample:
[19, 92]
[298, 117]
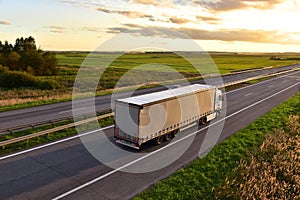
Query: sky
[214, 25]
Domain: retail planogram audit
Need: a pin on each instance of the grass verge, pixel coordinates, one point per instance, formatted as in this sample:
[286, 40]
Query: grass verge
[272, 171]
[46, 138]
[196, 180]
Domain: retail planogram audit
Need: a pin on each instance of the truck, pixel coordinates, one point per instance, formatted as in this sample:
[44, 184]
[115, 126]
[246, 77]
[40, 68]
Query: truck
[159, 116]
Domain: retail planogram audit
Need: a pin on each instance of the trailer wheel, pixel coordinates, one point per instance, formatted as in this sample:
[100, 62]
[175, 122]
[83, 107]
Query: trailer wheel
[168, 136]
[159, 140]
[175, 132]
[203, 121]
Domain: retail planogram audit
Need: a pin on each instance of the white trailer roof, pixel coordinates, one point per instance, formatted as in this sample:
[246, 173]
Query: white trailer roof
[166, 94]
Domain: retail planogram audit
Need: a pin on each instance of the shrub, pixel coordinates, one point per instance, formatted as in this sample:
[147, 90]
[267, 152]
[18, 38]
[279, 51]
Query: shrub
[14, 79]
[273, 172]
[3, 69]
[48, 84]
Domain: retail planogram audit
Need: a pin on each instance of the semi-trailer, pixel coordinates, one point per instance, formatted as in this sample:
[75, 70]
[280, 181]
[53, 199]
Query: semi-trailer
[161, 115]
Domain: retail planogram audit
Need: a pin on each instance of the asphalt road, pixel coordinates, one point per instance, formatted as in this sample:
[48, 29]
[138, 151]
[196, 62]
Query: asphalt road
[58, 169]
[38, 114]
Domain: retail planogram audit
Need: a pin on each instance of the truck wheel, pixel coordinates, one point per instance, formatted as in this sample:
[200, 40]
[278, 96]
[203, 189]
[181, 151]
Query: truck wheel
[203, 121]
[159, 140]
[168, 136]
[175, 132]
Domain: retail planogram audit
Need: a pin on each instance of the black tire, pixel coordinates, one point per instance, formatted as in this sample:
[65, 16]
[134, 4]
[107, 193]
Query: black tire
[168, 136]
[175, 132]
[159, 140]
[203, 121]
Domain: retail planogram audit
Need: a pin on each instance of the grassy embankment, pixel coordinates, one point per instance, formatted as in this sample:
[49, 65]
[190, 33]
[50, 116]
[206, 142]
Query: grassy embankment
[272, 171]
[47, 138]
[69, 64]
[197, 179]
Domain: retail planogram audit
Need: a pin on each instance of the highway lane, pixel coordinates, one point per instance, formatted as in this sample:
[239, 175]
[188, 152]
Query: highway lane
[51, 171]
[61, 110]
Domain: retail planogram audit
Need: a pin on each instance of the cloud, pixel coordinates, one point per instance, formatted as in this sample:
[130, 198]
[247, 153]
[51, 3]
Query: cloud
[91, 29]
[56, 29]
[243, 35]
[133, 25]
[117, 30]
[129, 14]
[4, 23]
[146, 2]
[177, 20]
[227, 5]
[227, 35]
[208, 19]
[156, 3]
[104, 10]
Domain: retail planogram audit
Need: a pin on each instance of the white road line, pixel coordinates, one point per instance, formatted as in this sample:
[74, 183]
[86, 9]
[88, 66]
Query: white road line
[66, 111]
[158, 150]
[270, 86]
[249, 94]
[262, 82]
[53, 143]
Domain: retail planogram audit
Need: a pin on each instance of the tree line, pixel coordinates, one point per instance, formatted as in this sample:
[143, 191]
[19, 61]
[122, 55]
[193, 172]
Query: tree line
[25, 56]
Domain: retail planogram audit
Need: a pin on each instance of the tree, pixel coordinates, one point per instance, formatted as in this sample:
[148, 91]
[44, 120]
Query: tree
[12, 60]
[49, 64]
[24, 45]
[6, 48]
[32, 59]
[24, 56]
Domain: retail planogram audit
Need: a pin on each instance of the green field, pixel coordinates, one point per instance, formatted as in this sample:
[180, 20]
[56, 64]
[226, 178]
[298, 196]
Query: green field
[226, 62]
[197, 179]
[150, 68]
[157, 67]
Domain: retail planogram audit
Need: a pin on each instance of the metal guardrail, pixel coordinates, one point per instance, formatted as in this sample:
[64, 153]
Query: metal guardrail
[257, 77]
[49, 131]
[42, 123]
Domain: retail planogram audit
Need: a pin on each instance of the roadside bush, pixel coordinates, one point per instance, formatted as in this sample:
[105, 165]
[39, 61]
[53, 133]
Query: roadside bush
[3, 69]
[273, 172]
[15, 79]
[48, 85]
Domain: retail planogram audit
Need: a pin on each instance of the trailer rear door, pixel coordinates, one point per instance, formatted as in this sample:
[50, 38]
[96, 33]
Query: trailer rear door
[126, 119]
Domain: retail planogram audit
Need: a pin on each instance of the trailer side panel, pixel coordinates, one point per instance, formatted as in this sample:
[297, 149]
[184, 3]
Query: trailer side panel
[159, 118]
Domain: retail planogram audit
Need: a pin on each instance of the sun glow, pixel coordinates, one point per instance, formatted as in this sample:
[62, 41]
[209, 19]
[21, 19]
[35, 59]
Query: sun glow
[218, 25]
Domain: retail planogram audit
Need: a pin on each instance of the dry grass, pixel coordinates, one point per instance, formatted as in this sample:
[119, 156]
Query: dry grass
[273, 171]
[21, 96]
